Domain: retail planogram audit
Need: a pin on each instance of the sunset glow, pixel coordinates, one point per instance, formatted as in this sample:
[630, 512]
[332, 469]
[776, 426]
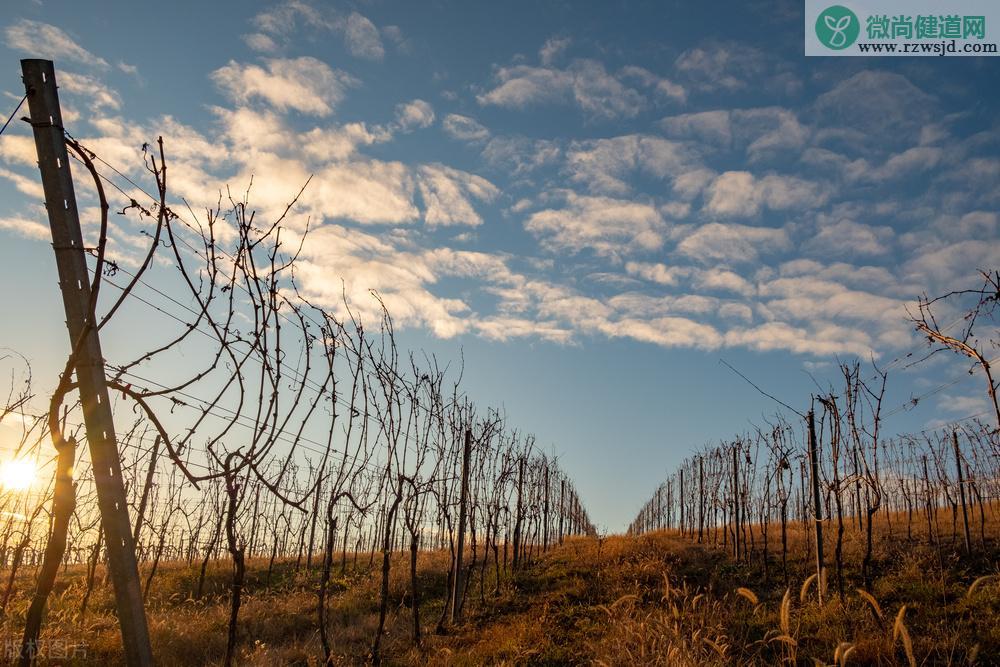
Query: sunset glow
[17, 475]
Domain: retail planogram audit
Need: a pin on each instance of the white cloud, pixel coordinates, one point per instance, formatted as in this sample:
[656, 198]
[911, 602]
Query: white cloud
[18, 149]
[732, 243]
[338, 143]
[337, 261]
[809, 298]
[553, 48]
[447, 193]
[741, 194]
[712, 127]
[976, 404]
[361, 37]
[824, 339]
[733, 67]
[868, 277]
[610, 227]
[303, 84]
[464, 128]
[585, 83]
[768, 130]
[662, 88]
[24, 227]
[849, 238]
[724, 280]
[31, 187]
[414, 114]
[365, 191]
[605, 165]
[880, 107]
[96, 93]
[910, 161]
[395, 35]
[42, 40]
[977, 224]
[656, 273]
[939, 267]
[258, 41]
[760, 132]
[665, 332]
[692, 182]
[520, 155]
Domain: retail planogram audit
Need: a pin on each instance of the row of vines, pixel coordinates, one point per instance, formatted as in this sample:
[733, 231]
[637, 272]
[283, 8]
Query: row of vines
[830, 472]
[260, 422]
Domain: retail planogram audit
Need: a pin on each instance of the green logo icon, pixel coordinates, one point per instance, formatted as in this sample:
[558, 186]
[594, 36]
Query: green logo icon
[837, 27]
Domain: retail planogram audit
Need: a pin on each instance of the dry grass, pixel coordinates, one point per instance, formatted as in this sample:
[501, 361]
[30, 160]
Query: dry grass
[649, 600]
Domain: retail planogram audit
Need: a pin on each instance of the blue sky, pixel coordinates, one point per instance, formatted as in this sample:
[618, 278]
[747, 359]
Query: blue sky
[594, 203]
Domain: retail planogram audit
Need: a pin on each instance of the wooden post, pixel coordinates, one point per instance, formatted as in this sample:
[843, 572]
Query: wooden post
[74, 282]
[670, 504]
[545, 512]
[463, 510]
[736, 501]
[659, 508]
[927, 501]
[701, 497]
[562, 507]
[518, 514]
[817, 502]
[682, 502]
[961, 491]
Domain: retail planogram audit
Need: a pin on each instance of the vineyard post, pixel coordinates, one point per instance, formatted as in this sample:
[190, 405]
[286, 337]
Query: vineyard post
[857, 487]
[659, 507]
[927, 501]
[545, 512]
[670, 504]
[736, 503]
[463, 509]
[74, 283]
[961, 491]
[817, 502]
[518, 512]
[682, 501]
[701, 497]
[803, 502]
[562, 507]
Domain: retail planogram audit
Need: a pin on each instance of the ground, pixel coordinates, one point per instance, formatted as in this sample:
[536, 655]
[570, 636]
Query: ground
[621, 600]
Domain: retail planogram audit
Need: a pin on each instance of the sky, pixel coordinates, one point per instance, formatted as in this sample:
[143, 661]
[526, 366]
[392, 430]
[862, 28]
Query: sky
[592, 204]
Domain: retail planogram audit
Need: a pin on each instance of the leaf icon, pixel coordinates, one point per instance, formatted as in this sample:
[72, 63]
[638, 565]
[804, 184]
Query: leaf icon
[838, 38]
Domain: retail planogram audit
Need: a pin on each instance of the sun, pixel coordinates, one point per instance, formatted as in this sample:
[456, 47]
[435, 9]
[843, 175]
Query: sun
[17, 475]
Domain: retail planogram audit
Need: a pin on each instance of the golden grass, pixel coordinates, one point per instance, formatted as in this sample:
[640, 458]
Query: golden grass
[642, 600]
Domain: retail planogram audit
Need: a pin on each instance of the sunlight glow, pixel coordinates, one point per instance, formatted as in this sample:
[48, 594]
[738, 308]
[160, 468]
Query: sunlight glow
[17, 475]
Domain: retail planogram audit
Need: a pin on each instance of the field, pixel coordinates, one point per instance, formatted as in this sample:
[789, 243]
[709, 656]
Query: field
[653, 599]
